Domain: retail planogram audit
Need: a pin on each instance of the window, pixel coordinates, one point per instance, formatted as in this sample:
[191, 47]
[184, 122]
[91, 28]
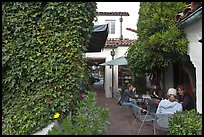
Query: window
[111, 26]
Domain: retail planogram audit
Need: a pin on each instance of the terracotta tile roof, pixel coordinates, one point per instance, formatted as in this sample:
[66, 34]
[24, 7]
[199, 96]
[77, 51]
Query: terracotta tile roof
[190, 8]
[124, 42]
[112, 13]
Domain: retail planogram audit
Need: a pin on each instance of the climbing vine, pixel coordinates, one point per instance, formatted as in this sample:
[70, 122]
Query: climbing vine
[42, 61]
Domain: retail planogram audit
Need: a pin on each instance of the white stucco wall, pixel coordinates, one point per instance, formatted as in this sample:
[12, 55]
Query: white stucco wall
[125, 33]
[128, 21]
[120, 51]
[105, 53]
[194, 33]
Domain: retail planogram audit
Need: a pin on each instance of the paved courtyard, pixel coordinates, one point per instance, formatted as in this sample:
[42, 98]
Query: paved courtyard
[122, 120]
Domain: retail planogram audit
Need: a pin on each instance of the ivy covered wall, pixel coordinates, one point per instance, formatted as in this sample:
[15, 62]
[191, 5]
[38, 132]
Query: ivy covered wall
[42, 61]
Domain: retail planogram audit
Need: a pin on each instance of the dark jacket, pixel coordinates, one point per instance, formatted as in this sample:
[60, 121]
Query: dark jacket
[158, 93]
[187, 101]
[126, 96]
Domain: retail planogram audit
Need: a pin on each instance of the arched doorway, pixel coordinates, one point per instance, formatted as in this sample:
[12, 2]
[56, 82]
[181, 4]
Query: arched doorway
[184, 74]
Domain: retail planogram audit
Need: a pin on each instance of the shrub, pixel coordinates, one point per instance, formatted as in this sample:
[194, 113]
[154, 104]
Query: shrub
[140, 83]
[186, 123]
[90, 119]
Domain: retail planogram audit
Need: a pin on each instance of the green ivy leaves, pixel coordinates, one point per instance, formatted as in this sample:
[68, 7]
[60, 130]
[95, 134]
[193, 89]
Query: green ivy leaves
[42, 46]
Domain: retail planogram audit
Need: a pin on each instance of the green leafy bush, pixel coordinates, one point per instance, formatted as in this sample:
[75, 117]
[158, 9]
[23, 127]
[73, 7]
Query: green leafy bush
[90, 119]
[160, 42]
[186, 123]
[42, 45]
[140, 83]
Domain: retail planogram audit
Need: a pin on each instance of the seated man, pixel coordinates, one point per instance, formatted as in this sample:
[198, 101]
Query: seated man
[169, 105]
[126, 95]
[185, 99]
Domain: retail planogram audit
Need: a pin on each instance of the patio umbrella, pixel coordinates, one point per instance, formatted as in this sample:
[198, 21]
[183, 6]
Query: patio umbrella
[118, 61]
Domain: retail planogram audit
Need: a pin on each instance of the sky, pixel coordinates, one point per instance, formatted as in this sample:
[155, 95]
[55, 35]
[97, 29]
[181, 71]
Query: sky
[131, 7]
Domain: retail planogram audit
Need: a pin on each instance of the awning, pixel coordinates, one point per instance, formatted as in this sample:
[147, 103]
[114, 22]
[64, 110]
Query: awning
[98, 38]
[118, 61]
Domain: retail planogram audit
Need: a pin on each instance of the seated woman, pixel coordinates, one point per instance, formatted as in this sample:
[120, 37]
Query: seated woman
[156, 91]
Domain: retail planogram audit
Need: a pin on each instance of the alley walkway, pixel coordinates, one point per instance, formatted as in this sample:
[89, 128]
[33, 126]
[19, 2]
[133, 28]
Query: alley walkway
[121, 121]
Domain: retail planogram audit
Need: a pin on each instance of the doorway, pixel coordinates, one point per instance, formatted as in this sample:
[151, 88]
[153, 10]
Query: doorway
[184, 74]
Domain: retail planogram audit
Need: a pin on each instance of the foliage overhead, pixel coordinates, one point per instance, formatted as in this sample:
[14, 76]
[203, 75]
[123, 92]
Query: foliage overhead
[42, 61]
[160, 42]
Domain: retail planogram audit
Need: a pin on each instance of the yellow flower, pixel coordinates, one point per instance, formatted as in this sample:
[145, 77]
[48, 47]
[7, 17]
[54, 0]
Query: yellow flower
[56, 115]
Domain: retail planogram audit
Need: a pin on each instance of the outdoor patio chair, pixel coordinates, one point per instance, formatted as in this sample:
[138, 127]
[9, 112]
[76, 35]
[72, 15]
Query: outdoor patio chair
[152, 105]
[142, 117]
[117, 94]
[161, 123]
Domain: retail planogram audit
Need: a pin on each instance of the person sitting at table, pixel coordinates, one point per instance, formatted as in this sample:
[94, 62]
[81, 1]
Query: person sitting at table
[156, 91]
[185, 99]
[165, 109]
[126, 95]
[170, 105]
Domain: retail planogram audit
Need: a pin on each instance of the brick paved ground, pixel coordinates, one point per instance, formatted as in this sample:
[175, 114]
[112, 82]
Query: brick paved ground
[122, 121]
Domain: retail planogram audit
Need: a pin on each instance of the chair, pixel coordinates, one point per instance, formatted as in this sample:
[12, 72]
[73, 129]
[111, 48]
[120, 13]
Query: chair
[142, 117]
[152, 105]
[117, 94]
[161, 123]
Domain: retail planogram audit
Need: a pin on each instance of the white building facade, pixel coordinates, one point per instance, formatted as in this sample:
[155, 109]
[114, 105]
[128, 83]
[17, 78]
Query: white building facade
[193, 31]
[114, 40]
[191, 22]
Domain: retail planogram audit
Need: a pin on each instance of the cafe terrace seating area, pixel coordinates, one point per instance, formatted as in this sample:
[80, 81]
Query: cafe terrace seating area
[146, 112]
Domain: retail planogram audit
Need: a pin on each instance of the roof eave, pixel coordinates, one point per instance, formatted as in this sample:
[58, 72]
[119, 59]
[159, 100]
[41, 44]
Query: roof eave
[191, 18]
